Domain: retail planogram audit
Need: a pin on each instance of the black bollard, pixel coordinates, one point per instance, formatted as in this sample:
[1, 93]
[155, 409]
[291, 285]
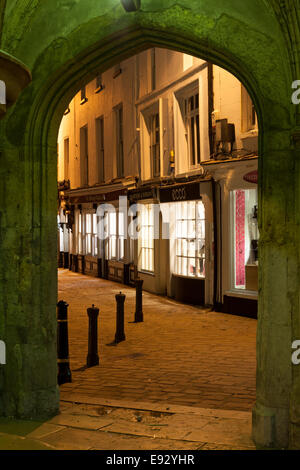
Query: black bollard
[92, 357]
[139, 316]
[64, 372]
[120, 333]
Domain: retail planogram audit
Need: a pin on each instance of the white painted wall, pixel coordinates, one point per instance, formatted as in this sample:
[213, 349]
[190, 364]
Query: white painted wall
[175, 72]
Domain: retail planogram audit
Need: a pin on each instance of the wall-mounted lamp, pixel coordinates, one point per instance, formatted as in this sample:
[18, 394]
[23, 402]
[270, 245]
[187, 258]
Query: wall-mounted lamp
[131, 5]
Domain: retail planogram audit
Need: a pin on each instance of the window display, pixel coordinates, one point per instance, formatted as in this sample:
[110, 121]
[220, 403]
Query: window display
[190, 239]
[146, 238]
[115, 242]
[245, 239]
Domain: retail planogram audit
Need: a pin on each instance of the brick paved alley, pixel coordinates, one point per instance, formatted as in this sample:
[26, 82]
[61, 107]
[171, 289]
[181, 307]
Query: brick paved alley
[180, 355]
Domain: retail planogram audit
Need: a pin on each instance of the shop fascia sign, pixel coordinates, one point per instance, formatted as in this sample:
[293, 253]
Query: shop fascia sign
[252, 177]
[178, 193]
[2, 353]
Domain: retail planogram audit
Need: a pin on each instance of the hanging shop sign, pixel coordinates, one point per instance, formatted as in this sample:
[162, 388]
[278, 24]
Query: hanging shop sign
[179, 193]
[141, 194]
[252, 177]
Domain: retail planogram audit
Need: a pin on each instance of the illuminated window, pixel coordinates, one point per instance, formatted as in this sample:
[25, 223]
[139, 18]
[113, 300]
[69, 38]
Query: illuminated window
[84, 158]
[115, 229]
[83, 97]
[79, 234]
[245, 234]
[190, 239]
[146, 238]
[95, 236]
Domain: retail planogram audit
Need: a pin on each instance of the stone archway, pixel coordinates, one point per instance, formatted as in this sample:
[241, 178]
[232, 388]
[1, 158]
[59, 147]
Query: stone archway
[231, 37]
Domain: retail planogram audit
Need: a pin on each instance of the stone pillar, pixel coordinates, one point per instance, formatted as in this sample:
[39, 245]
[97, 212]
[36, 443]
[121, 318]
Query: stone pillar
[278, 290]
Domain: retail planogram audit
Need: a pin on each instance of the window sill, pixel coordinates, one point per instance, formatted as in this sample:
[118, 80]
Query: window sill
[250, 294]
[100, 88]
[189, 277]
[148, 273]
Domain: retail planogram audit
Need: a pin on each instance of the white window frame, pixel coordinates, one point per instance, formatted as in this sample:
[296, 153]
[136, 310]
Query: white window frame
[189, 217]
[146, 243]
[119, 129]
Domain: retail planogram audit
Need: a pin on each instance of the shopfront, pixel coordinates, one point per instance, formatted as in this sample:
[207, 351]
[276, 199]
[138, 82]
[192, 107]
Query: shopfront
[238, 235]
[187, 212]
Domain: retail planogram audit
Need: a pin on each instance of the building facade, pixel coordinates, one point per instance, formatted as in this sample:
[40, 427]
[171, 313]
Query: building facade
[157, 171]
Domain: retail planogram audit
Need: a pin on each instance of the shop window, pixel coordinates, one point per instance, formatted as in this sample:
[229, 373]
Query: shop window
[146, 238]
[188, 61]
[80, 234]
[100, 148]
[115, 229]
[88, 234]
[84, 159]
[60, 235]
[245, 239]
[153, 119]
[190, 239]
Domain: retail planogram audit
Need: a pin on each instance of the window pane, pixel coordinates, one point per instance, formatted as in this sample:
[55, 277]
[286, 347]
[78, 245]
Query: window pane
[190, 243]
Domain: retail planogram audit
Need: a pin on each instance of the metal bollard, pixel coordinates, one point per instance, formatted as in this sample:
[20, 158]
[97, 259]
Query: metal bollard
[93, 357]
[139, 316]
[64, 372]
[120, 333]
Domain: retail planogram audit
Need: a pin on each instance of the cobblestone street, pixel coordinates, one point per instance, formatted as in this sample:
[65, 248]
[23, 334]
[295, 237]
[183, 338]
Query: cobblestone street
[180, 355]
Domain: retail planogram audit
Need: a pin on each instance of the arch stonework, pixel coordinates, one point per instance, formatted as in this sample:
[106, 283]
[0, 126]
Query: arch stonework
[86, 37]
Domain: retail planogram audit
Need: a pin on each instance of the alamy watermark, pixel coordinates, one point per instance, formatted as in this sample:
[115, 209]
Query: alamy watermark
[296, 353]
[296, 94]
[2, 353]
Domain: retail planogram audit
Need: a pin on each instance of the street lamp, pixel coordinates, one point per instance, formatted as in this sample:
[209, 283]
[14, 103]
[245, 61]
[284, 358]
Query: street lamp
[131, 5]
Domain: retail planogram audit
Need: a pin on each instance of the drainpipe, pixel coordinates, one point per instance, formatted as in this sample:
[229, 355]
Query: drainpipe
[210, 105]
[216, 244]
